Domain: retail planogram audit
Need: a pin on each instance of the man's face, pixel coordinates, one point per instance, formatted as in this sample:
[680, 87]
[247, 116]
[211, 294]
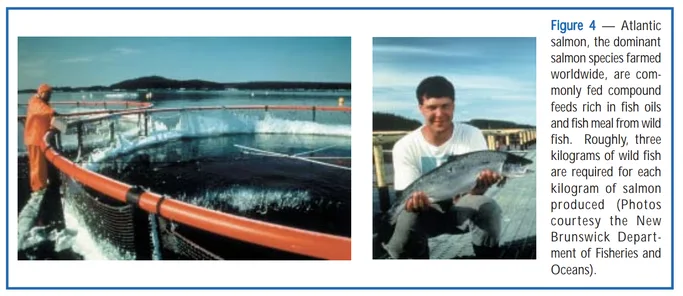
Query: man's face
[438, 113]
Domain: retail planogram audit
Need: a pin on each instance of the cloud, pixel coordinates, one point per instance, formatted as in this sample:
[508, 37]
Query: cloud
[524, 114]
[514, 97]
[100, 57]
[389, 105]
[415, 50]
[32, 68]
[125, 50]
[502, 87]
[35, 73]
[500, 95]
[77, 60]
[31, 63]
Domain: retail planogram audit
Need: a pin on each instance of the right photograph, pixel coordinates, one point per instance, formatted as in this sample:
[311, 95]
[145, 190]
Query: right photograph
[454, 148]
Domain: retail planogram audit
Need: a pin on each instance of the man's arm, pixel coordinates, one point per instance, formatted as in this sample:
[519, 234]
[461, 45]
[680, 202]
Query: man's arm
[42, 109]
[406, 170]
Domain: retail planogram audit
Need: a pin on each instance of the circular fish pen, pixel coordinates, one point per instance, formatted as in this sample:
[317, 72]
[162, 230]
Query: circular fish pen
[211, 182]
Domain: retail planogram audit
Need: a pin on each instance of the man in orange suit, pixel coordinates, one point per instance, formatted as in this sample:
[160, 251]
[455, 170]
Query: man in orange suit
[38, 118]
[44, 207]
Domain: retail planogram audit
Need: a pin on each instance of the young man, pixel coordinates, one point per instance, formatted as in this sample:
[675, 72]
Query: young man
[44, 207]
[423, 150]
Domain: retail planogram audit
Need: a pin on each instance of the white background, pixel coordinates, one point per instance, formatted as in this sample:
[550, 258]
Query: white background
[632, 272]
[361, 26]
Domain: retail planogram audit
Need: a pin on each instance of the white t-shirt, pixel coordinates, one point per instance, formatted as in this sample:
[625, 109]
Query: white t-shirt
[413, 156]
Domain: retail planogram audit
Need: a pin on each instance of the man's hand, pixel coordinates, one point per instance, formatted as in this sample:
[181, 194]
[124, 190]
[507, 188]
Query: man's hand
[484, 181]
[488, 178]
[417, 202]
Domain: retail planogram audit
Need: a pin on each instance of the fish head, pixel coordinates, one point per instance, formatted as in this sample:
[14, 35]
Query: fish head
[515, 165]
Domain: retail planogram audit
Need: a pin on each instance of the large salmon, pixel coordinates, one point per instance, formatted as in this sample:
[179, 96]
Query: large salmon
[458, 175]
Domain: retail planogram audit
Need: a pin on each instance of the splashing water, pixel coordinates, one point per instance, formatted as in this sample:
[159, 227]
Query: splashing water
[248, 198]
[195, 125]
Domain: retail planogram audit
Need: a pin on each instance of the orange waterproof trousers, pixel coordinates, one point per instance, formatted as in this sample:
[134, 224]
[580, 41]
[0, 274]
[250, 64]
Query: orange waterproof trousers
[38, 167]
[38, 117]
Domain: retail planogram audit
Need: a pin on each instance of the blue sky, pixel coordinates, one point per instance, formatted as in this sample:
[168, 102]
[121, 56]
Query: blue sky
[86, 61]
[494, 78]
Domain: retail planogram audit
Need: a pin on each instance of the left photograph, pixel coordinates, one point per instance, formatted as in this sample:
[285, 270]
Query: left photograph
[198, 148]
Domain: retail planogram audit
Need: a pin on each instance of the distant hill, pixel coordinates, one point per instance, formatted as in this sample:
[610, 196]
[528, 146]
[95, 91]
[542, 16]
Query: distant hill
[496, 124]
[392, 122]
[159, 82]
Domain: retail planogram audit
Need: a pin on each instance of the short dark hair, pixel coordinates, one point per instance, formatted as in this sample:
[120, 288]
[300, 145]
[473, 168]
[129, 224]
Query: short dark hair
[435, 87]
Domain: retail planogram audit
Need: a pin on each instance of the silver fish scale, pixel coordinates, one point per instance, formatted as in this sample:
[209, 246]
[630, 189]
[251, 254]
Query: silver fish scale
[467, 162]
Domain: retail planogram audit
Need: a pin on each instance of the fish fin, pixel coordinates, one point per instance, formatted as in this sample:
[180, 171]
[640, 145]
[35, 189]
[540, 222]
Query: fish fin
[393, 215]
[502, 182]
[437, 207]
[454, 157]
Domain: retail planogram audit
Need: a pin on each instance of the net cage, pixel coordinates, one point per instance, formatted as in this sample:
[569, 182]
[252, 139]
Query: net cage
[152, 182]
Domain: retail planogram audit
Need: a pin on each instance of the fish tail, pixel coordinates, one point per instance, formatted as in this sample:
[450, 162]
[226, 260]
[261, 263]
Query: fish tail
[394, 219]
[393, 215]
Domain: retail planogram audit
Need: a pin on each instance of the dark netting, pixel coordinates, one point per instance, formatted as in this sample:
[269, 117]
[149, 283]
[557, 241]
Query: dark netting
[185, 242]
[24, 185]
[106, 218]
[184, 248]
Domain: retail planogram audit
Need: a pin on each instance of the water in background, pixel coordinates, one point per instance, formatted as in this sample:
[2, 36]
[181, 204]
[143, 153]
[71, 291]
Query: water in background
[172, 153]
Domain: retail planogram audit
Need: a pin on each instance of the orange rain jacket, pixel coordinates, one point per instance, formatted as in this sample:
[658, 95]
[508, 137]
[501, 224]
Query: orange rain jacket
[38, 120]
